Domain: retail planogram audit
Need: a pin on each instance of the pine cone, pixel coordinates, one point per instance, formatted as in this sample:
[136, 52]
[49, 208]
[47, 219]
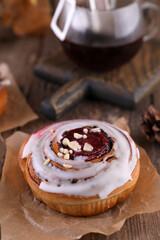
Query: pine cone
[150, 123]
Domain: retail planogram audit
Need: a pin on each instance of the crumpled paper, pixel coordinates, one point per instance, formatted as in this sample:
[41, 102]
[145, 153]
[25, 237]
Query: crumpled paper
[24, 217]
[17, 112]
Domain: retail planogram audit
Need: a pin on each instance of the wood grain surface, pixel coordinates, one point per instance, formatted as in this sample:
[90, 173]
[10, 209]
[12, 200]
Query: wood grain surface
[125, 86]
[22, 55]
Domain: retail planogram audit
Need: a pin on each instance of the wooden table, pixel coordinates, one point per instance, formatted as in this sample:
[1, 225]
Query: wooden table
[22, 54]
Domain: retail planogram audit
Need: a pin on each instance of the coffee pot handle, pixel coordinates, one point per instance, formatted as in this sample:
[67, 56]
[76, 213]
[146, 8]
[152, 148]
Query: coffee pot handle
[154, 7]
[62, 33]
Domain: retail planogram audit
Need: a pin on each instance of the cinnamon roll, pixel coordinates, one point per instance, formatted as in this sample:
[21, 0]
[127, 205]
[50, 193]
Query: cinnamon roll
[80, 167]
[3, 98]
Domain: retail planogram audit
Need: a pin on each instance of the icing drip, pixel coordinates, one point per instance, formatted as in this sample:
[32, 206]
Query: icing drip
[80, 175]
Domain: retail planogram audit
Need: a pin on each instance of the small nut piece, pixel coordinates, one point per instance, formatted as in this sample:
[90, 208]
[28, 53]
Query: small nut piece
[67, 166]
[87, 147]
[67, 156]
[77, 135]
[61, 150]
[46, 162]
[84, 136]
[65, 141]
[65, 150]
[85, 130]
[74, 145]
[96, 130]
[59, 154]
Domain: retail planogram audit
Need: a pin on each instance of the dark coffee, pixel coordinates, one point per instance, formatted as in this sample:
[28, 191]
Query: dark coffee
[101, 3]
[101, 58]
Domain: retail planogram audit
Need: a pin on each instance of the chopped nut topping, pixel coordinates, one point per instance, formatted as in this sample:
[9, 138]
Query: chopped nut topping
[61, 150]
[67, 156]
[46, 162]
[84, 136]
[96, 130]
[60, 155]
[71, 151]
[65, 151]
[74, 145]
[77, 135]
[65, 141]
[67, 166]
[87, 147]
[85, 130]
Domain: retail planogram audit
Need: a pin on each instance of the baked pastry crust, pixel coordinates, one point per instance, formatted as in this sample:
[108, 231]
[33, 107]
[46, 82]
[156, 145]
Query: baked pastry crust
[77, 205]
[3, 98]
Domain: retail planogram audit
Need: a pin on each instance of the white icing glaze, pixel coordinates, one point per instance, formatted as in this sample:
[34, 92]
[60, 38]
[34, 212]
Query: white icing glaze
[6, 82]
[99, 178]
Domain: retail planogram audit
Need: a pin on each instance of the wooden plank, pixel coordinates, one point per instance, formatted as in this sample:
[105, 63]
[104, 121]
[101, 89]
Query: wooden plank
[128, 85]
[20, 54]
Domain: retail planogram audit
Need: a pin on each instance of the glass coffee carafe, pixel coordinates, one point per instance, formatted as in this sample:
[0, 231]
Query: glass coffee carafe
[102, 34]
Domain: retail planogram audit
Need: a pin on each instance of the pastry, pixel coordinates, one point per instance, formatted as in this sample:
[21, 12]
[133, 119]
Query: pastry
[80, 167]
[3, 98]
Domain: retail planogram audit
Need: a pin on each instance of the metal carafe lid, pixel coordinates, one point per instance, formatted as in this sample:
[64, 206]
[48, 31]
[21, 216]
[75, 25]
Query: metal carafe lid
[98, 22]
[70, 5]
[97, 4]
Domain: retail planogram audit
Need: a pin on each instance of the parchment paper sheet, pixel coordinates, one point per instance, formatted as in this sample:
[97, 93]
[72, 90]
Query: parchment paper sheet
[17, 112]
[24, 217]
